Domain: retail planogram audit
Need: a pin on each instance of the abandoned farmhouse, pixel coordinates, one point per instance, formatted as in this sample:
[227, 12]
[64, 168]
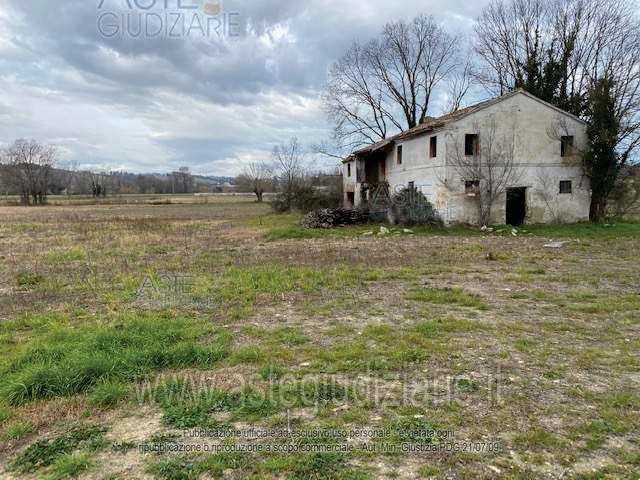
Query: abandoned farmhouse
[514, 159]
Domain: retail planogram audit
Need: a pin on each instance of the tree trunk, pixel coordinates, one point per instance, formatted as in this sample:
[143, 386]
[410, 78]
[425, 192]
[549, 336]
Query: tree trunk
[598, 208]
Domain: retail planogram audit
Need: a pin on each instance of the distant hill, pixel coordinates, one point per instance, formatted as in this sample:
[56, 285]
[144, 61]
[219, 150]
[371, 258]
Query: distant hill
[214, 180]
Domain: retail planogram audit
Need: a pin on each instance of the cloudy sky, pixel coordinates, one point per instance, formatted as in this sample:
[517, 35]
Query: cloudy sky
[213, 97]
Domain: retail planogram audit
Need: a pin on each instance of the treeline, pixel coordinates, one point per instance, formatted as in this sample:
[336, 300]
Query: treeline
[291, 176]
[29, 169]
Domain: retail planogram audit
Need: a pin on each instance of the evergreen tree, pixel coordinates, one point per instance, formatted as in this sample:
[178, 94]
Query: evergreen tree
[602, 162]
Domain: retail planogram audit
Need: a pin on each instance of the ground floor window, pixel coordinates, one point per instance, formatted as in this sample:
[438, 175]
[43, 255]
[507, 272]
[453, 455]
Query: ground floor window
[471, 187]
[566, 186]
[351, 198]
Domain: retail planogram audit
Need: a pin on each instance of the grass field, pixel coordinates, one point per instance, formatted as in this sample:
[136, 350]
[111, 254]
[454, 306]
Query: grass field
[184, 340]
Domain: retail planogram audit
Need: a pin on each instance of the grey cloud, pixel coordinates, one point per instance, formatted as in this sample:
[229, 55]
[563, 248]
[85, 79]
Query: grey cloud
[132, 101]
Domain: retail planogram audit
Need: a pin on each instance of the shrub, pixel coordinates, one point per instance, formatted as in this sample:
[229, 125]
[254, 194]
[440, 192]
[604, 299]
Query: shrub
[305, 199]
[410, 207]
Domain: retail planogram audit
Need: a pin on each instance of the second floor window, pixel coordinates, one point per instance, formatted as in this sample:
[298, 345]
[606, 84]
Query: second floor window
[399, 155]
[566, 146]
[348, 169]
[471, 144]
[433, 147]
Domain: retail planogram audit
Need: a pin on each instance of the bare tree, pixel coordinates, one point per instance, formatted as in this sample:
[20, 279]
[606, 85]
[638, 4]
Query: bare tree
[28, 167]
[387, 85]
[288, 171]
[256, 178]
[626, 194]
[103, 183]
[559, 49]
[459, 85]
[489, 169]
[68, 175]
[182, 181]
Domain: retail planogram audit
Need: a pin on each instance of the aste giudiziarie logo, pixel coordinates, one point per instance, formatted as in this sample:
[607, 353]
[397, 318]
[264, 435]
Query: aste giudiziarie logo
[166, 19]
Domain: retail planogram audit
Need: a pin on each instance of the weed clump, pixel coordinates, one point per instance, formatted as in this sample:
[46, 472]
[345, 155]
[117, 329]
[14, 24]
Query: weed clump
[29, 280]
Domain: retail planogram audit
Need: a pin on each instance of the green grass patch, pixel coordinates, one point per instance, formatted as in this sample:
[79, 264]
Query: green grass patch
[109, 394]
[29, 280]
[185, 406]
[289, 336]
[251, 354]
[19, 430]
[271, 371]
[412, 428]
[523, 345]
[284, 227]
[217, 464]
[65, 256]
[448, 296]
[306, 466]
[612, 230]
[242, 286]
[5, 414]
[175, 469]
[68, 361]
[612, 304]
[538, 439]
[70, 466]
[44, 453]
[439, 326]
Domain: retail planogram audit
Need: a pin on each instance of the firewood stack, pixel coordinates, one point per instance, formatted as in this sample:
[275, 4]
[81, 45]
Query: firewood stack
[333, 217]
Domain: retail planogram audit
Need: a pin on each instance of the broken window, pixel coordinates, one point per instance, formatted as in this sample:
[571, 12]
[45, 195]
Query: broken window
[566, 146]
[471, 143]
[399, 155]
[566, 186]
[433, 147]
[471, 187]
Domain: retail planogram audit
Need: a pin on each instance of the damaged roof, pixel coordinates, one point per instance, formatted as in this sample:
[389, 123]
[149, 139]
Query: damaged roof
[432, 123]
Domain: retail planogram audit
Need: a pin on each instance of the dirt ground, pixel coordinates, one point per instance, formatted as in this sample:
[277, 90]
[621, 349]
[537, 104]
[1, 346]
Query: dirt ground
[521, 360]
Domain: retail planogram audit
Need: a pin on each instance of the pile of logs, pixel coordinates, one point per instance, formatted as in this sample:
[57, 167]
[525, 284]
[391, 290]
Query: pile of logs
[333, 217]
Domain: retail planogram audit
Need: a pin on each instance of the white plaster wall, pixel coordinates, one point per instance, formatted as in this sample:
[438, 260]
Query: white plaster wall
[537, 156]
[350, 182]
[427, 173]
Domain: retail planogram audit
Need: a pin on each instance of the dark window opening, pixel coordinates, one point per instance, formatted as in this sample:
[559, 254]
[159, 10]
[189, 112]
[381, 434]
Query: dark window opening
[566, 186]
[471, 144]
[412, 185]
[433, 147]
[399, 154]
[472, 187]
[348, 169]
[566, 146]
[351, 199]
